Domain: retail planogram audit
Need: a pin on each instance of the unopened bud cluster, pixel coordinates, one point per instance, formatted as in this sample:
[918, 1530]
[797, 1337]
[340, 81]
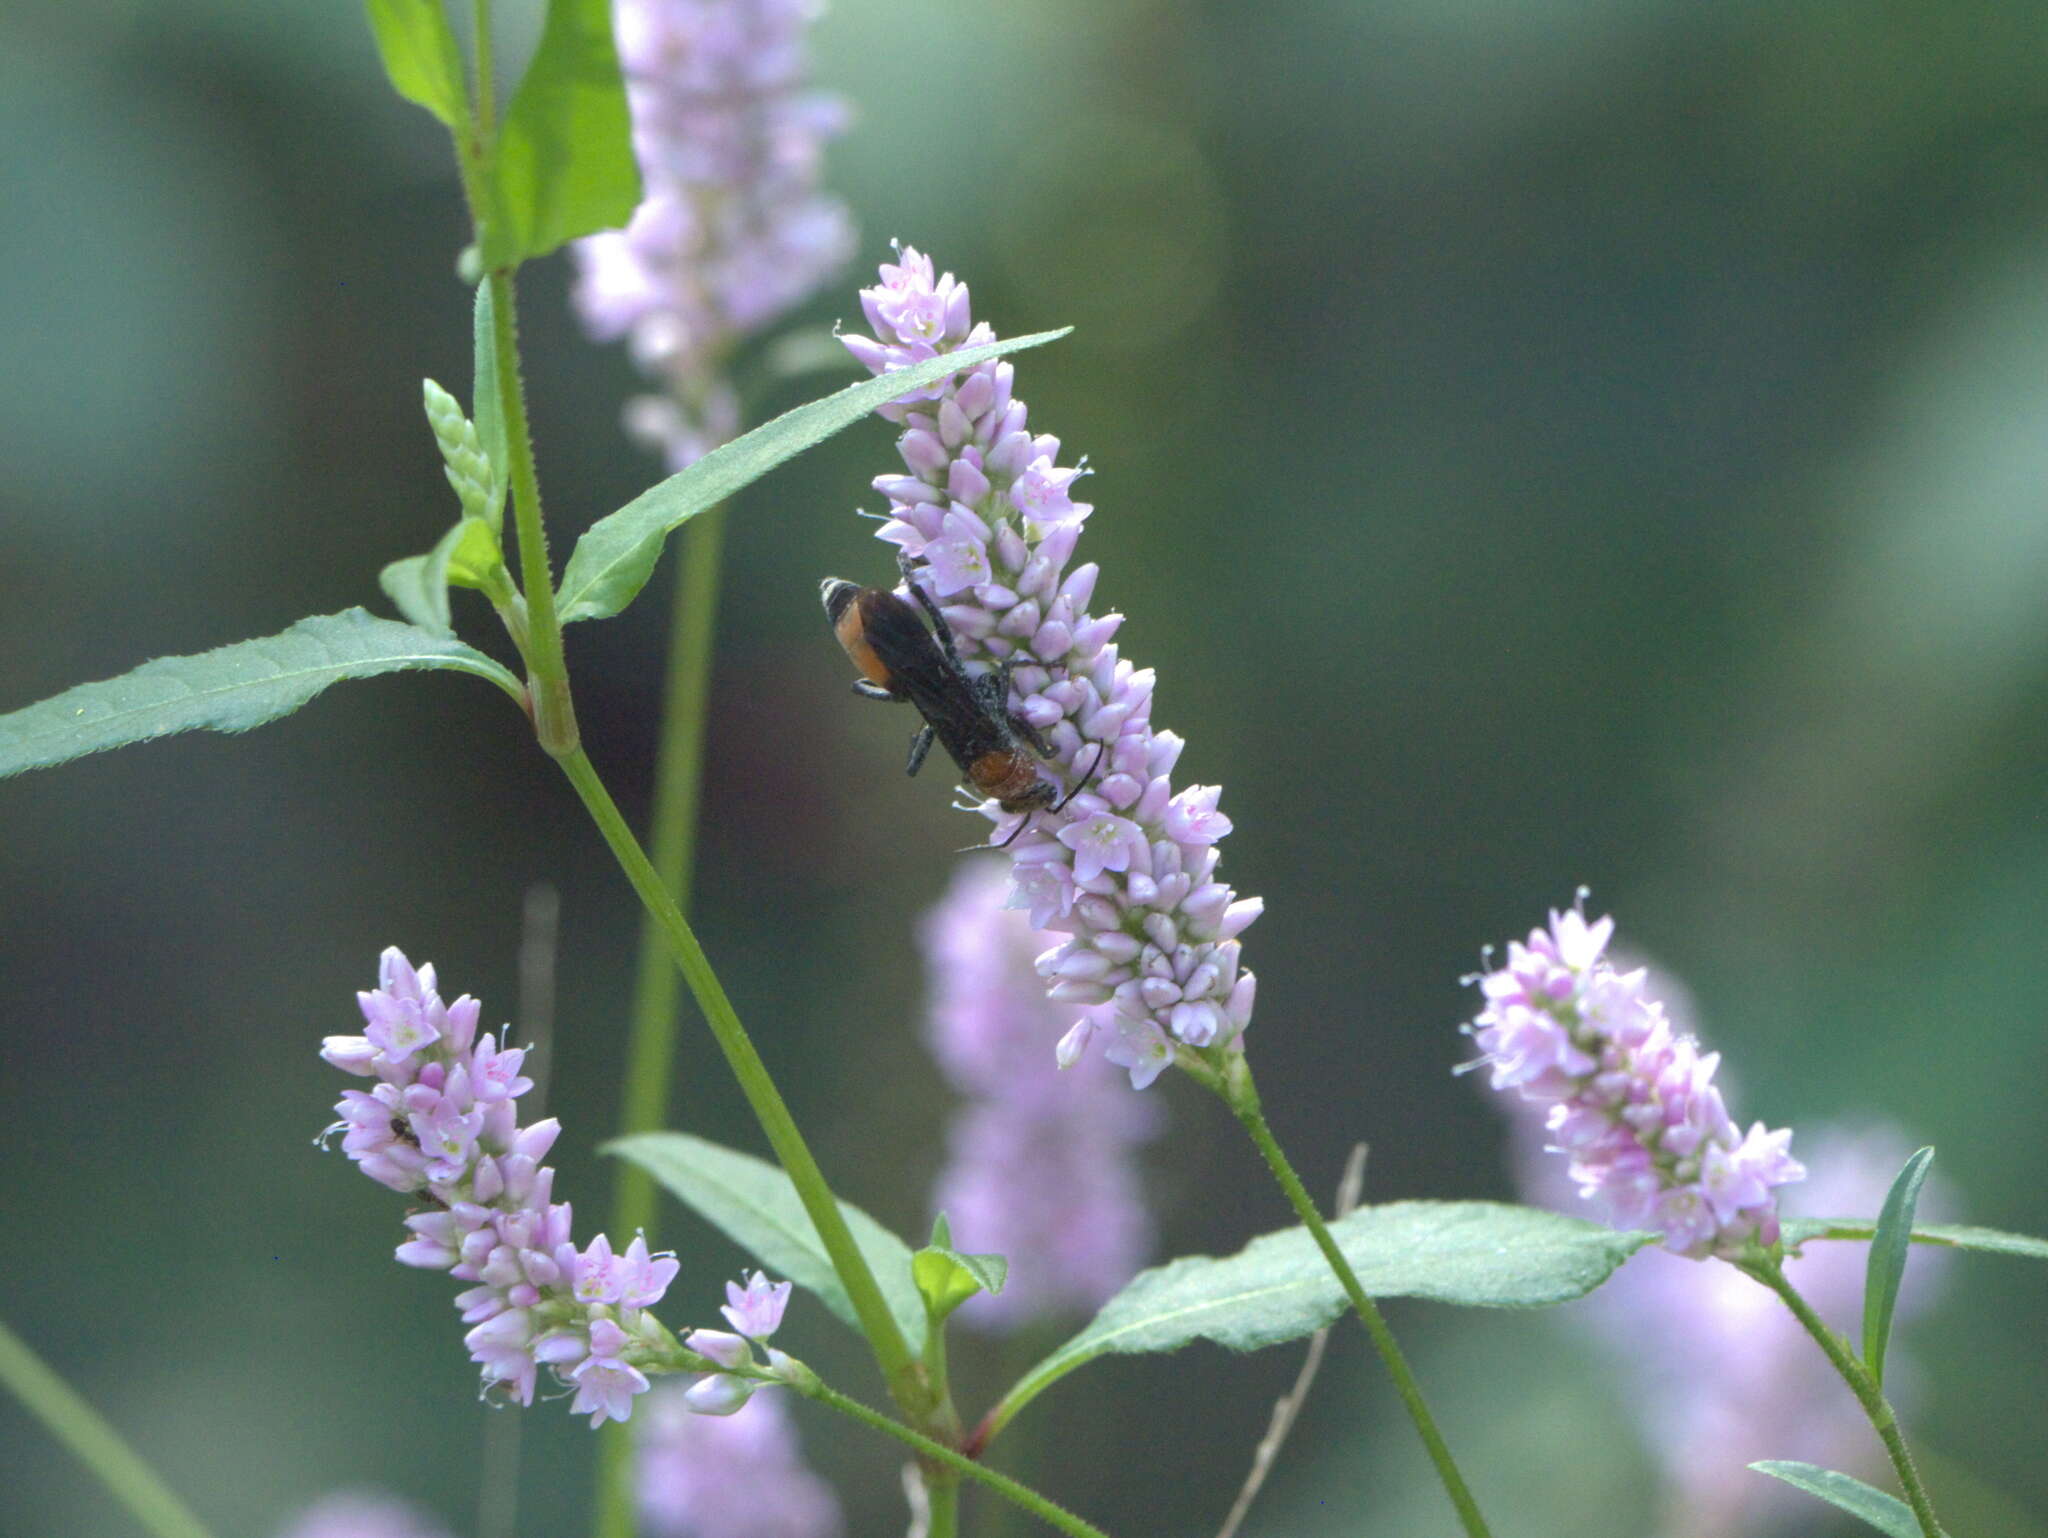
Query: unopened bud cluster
[1128, 868]
[1631, 1100]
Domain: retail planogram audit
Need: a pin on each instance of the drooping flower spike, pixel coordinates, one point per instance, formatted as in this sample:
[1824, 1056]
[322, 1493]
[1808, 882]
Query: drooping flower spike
[1631, 1101]
[1127, 867]
[441, 1123]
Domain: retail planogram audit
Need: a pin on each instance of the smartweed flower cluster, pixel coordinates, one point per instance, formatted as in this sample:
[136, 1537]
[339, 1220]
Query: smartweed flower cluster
[1076, 1229]
[733, 230]
[1122, 875]
[440, 1123]
[1128, 869]
[1720, 1372]
[1631, 1101]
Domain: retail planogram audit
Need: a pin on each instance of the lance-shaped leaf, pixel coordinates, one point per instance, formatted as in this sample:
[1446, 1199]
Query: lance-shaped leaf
[1887, 1260]
[1954, 1236]
[755, 1205]
[616, 556]
[231, 688]
[487, 401]
[420, 56]
[1887, 1513]
[1279, 1288]
[564, 163]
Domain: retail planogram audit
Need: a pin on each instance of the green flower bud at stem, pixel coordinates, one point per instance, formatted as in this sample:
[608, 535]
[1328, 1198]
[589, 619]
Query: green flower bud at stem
[467, 467]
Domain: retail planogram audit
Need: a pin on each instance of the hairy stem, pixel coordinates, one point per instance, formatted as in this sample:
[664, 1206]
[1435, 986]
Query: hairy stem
[554, 718]
[1243, 1098]
[672, 848]
[931, 1452]
[1882, 1417]
[885, 1339]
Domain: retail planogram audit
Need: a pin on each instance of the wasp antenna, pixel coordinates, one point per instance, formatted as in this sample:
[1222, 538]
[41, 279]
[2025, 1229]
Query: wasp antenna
[1100, 749]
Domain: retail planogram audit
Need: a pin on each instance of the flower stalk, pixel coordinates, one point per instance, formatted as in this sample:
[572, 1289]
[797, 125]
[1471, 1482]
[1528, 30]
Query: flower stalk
[1768, 1270]
[892, 1353]
[1235, 1085]
[1122, 864]
[554, 716]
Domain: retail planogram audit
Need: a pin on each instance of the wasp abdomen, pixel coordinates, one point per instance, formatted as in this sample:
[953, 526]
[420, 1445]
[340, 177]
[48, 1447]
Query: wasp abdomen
[846, 608]
[1011, 779]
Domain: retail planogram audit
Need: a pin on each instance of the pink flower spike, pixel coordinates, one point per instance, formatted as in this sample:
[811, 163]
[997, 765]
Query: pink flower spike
[755, 1310]
[597, 1273]
[643, 1278]
[1142, 1047]
[1104, 842]
[605, 1387]
[1040, 492]
[398, 1027]
[1629, 1099]
[1192, 818]
[717, 1346]
[719, 1394]
[957, 565]
[1075, 1043]
[351, 1054]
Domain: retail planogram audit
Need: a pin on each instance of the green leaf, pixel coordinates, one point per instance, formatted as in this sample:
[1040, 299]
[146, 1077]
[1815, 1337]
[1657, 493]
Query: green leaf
[755, 1205]
[1279, 1288]
[616, 556]
[420, 56]
[1955, 1236]
[1886, 1513]
[231, 688]
[1886, 1266]
[946, 1278]
[564, 164]
[418, 585]
[488, 403]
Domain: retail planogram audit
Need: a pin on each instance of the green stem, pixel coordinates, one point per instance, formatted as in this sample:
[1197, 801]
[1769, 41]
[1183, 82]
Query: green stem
[885, 1339]
[932, 1452]
[1243, 1098]
[672, 848]
[476, 133]
[554, 718]
[1868, 1394]
[95, 1443]
[486, 88]
[942, 1494]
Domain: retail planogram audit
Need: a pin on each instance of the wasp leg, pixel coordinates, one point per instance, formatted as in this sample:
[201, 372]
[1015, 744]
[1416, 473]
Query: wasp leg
[1032, 735]
[920, 745]
[993, 689]
[930, 606]
[868, 691]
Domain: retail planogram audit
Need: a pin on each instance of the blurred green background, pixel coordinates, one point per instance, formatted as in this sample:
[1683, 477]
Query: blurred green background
[1537, 444]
